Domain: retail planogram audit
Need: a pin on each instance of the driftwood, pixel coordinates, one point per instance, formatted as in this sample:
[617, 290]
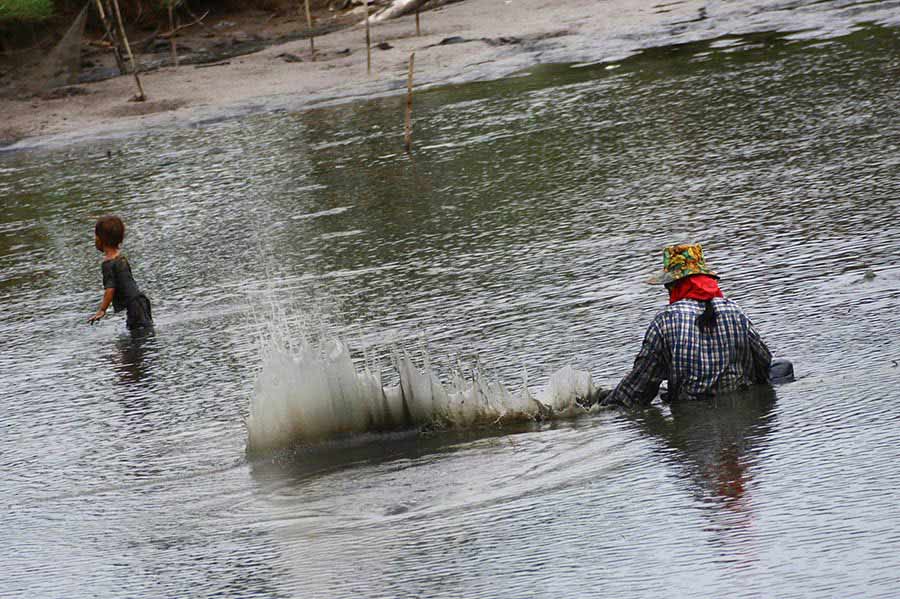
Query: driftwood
[209, 66]
[399, 8]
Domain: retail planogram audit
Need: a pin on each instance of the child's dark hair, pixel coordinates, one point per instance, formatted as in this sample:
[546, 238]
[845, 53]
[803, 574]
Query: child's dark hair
[111, 230]
[706, 322]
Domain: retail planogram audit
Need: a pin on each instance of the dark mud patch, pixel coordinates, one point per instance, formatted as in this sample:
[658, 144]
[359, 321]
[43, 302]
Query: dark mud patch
[68, 91]
[145, 108]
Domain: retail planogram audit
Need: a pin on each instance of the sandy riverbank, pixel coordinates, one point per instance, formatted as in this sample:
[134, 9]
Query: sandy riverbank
[502, 36]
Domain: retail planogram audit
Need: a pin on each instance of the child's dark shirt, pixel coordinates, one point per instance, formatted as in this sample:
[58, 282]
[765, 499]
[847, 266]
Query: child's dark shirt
[117, 275]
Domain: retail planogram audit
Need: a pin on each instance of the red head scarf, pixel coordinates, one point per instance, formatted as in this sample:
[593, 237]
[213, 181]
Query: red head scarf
[698, 287]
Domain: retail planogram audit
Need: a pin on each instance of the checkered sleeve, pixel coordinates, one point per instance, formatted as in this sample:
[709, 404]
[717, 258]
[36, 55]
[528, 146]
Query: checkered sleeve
[759, 354]
[641, 385]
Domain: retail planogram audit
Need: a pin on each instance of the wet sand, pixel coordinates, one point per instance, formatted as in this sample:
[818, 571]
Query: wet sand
[501, 37]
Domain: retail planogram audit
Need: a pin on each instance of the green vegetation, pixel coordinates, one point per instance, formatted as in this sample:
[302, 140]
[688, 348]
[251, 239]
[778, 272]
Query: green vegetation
[25, 10]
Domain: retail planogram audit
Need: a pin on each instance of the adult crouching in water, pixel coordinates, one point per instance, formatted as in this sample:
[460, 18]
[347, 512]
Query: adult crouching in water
[701, 343]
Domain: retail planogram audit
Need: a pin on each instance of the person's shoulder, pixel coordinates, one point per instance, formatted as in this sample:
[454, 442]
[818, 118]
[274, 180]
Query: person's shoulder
[685, 306]
[725, 304]
[118, 261]
[674, 312]
[117, 264]
[730, 309]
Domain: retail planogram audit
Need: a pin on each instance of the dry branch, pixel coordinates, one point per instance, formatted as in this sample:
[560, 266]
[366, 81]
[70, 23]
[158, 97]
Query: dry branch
[167, 34]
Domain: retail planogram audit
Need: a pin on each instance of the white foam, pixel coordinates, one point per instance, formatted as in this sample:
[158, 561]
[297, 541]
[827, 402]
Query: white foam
[316, 392]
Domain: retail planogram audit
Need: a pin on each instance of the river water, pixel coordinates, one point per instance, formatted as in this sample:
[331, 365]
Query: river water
[514, 244]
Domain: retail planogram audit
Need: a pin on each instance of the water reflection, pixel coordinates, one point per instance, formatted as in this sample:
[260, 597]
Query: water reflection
[716, 447]
[134, 355]
[716, 442]
[141, 412]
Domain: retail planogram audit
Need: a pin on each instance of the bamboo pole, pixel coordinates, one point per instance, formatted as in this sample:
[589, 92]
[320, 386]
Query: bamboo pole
[111, 34]
[140, 97]
[172, 39]
[312, 38]
[368, 42]
[407, 138]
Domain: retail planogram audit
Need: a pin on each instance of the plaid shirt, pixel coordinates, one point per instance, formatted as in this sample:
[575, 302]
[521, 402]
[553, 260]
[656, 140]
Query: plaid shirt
[696, 364]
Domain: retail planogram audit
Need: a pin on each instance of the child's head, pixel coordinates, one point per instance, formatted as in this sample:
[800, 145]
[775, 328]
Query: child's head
[109, 232]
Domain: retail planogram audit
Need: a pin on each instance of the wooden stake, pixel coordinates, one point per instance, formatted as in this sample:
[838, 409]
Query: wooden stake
[172, 39]
[368, 42]
[407, 138]
[312, 38]
[140, 97]
[111, 34]
[418, 29]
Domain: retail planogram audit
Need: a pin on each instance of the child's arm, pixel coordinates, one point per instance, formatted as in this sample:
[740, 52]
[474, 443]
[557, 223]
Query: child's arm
[104, 304]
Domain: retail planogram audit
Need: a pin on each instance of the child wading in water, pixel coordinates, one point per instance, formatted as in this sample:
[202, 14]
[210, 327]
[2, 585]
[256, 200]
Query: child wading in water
[120, 290]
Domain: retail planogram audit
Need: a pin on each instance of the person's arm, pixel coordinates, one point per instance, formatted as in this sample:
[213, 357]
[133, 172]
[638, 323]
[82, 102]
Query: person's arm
[108, 268]
[104, 304]
[641, 385]
[760, 354]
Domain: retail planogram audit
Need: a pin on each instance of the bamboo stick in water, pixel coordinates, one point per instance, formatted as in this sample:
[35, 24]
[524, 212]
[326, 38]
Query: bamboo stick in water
[368, 42]
[407, 141]
[312, 38]
[172, 29]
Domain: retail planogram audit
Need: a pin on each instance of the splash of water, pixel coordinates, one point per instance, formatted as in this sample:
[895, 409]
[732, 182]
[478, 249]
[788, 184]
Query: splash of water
[312, 393]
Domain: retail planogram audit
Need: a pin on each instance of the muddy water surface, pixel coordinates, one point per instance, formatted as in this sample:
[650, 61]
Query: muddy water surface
[520, 233]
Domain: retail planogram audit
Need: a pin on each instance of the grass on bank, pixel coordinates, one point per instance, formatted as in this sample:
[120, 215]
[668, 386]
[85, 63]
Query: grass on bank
[41, 10]
[25, 10]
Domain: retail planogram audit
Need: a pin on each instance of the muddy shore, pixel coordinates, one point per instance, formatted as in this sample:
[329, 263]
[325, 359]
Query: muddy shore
[466, 41]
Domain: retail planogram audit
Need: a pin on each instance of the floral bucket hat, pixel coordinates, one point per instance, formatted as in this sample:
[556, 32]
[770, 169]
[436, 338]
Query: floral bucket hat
[680, 261]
